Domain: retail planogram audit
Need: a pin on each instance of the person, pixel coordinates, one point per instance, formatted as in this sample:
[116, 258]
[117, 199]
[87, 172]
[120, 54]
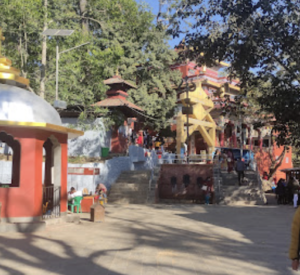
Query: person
[183, 151]
[265, 176]
[162, 143]
[280, 192]
[101, 191]
[140, 139]
[230, 161]
[294, 246]
[240, 168]
[207, 196]
[208, 191]
[289, 192]
[101, 188]
[157, 143]
[217, 156]
[224, 161]
[295, 184]
[133, 137]
[274, 185]
[146, 134]
[73, 193]
[150, 141]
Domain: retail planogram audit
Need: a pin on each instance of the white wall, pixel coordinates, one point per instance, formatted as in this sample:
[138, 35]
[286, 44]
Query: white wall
[91, 142]
[112, 168]
[109, 170]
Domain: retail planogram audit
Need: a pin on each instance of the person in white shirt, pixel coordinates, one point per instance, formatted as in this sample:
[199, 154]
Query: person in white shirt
[73, 193]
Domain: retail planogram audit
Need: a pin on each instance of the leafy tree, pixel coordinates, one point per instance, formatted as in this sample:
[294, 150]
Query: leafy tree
[122, 37]
[260, 39]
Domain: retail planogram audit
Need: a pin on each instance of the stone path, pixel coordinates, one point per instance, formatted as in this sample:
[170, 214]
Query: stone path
[159, 239]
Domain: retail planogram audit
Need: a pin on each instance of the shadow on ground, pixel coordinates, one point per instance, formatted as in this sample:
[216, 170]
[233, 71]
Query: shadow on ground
[161, 239]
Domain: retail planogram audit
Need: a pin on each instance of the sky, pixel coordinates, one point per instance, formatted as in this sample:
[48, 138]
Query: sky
[155, 6]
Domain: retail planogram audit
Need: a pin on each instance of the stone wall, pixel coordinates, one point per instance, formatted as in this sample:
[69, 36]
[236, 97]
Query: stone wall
[165, 189]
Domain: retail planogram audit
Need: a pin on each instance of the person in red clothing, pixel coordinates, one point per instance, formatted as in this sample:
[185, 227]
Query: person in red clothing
[265, 176]
[140, 140]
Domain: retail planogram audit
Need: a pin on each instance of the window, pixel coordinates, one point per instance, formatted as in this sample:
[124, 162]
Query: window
[9, 161]
[266, 143]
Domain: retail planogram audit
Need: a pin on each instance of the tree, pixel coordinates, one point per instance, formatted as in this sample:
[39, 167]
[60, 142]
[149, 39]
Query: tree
[119, 32]
[260, 39]
[126, 41]
[20, 21]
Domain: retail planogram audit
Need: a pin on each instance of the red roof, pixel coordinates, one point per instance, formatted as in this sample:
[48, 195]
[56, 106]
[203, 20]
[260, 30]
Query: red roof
[116, 79]
[116, 102]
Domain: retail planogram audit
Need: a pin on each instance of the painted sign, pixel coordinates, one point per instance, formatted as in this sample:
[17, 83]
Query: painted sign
[83, 171]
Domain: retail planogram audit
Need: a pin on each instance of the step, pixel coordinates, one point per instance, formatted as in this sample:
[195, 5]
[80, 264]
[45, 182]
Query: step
[129, 202]
[131, 182]
[129, 185]
[129, 192]
[137, 172]
[121, 196]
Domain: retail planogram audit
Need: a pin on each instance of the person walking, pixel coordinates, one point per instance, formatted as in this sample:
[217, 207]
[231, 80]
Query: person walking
[294, 246]
[280, 192]
[240, 169]
[295, 188]
[230, 161]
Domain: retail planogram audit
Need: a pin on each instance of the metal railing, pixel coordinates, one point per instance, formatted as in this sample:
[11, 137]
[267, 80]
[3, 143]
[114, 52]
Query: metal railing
[51, 202]
[183, 159]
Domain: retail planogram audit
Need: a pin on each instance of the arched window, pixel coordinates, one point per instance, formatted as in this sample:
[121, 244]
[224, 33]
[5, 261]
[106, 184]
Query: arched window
[10, 152]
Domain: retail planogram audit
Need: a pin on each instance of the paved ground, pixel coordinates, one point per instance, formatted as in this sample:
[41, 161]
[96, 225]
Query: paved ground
[161, 239]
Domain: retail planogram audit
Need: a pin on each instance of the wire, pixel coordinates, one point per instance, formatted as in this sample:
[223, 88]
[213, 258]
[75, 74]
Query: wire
[140, 113]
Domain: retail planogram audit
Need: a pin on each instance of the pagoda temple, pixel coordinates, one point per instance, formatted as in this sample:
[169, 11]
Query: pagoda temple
[117, 100]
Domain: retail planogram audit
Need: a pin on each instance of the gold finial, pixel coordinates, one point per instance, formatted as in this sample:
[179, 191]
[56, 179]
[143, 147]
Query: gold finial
[117, 71]
[2, 38]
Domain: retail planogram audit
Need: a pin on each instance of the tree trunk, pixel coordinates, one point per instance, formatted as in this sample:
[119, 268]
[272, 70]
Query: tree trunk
[84, 21]
[44, 52]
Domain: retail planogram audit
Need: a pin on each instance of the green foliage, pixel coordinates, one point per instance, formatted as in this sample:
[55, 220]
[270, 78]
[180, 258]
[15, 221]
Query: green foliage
[261, 40]
[122, 36]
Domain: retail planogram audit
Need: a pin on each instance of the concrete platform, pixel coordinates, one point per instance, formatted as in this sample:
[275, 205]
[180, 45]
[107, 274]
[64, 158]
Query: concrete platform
[29, 227]
[22, 227]
[157, 239]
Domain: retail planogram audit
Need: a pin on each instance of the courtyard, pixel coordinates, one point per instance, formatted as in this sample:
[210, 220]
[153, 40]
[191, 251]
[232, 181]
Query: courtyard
[157, 239]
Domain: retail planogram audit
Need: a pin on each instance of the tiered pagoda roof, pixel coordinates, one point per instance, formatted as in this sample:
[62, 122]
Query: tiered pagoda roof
[117, 97]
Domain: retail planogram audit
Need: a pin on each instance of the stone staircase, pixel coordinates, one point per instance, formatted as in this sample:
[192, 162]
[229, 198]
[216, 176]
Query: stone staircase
[130, 188]
[248, 194]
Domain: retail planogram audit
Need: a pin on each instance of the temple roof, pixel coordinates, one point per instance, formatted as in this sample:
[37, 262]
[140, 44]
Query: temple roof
[116, 79]
[120, 103]
[117, 101]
